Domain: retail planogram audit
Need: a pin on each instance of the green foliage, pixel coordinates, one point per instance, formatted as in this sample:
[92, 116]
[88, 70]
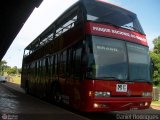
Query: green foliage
[156, 59]
[10, 71]
[2, 66]
[156, 43]
[155, 55]
[3, 62]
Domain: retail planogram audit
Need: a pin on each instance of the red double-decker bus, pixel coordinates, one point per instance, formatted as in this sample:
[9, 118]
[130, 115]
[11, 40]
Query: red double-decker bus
[94, 57]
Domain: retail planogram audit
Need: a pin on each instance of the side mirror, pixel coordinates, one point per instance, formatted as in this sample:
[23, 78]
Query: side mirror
[152, 66]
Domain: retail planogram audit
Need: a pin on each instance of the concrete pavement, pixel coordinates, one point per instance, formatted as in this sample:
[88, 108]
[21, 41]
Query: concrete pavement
[19, 106]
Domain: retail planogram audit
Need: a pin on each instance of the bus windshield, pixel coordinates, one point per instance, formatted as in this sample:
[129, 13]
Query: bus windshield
[116, 59]
[105, 13]
[139, 62]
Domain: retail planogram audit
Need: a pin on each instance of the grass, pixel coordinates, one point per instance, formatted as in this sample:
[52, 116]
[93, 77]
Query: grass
[15, 79]
[156, 103]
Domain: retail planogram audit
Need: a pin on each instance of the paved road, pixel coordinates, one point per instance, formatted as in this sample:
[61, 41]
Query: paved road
[19, 106]
[15, 105]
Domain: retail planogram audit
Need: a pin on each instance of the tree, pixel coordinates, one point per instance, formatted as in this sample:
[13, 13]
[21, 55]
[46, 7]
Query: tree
[3, 64]
[14, 70]
[156, 59]
[4, 68]
[155, 55]
[156, 43]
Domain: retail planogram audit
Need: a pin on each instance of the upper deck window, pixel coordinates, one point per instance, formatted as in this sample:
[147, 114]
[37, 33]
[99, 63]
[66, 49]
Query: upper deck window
[106, 13]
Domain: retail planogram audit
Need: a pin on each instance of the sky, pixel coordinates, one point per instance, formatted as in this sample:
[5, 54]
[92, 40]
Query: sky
[146, 10]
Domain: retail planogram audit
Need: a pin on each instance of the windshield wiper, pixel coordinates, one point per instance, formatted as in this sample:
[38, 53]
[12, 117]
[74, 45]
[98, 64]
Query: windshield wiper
[111, 78]
[140, 80]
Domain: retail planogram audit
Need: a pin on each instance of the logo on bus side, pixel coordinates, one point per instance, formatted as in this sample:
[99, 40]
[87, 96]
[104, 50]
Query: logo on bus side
[121, 88]
[114, 31]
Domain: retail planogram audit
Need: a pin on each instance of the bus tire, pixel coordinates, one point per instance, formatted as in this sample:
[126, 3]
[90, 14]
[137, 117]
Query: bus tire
[27, 87]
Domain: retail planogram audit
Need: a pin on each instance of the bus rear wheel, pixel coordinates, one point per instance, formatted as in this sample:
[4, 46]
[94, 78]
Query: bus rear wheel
[57, 97]
[27, 88]
[56, 94]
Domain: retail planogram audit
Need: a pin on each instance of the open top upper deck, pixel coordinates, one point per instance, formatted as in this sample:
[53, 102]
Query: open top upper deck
[95, 11]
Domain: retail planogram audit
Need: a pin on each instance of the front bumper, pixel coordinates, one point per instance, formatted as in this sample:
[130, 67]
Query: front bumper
[118, 104]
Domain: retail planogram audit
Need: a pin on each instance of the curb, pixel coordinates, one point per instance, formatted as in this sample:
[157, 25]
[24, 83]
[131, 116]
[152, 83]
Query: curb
[14, 86]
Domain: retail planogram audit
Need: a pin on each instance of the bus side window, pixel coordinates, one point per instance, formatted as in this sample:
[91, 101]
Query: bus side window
[50, 60]
[53, 65]
[70, 62]
[64, 62]
[60, 64]
[56, 66]
[77, 56]
[43, 67]
[46, 66]
[62, 68]
[35, 69]
[78, 62]
[40, 68]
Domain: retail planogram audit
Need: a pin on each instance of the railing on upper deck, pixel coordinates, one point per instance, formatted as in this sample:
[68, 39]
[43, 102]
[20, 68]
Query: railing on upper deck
[55, 30]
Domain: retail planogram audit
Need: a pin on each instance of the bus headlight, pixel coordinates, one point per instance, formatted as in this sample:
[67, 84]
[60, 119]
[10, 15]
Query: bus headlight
[146, 94]
[102, 94]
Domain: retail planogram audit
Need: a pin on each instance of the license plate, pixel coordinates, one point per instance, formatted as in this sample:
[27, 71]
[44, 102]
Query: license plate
[121, 88]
